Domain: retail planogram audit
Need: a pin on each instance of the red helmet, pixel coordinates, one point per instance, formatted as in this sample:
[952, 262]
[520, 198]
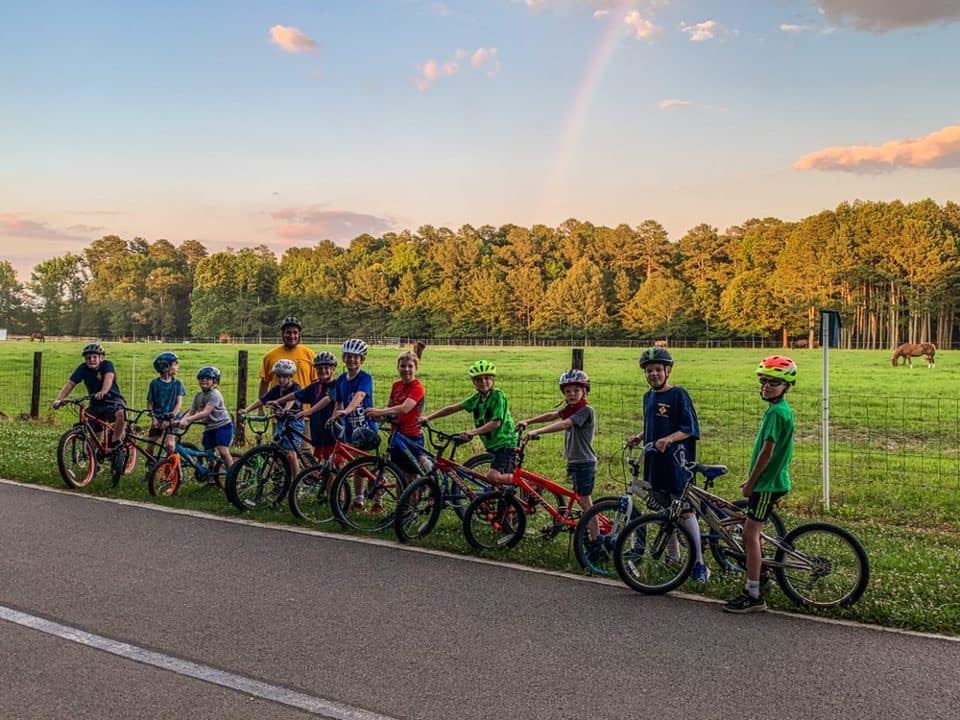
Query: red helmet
[780, 367]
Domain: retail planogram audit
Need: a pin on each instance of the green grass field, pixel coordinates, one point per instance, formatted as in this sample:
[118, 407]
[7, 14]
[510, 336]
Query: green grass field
[895, 443]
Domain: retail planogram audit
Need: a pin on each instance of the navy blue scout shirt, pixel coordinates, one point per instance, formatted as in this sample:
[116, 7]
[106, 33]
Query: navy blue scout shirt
[320, 435]
[93, 380]
[665, 413]
[276, 392]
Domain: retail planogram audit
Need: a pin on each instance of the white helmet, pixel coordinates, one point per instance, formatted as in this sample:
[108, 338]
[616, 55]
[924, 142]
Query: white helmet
[575, 377]
[284, 367]
[354, 346]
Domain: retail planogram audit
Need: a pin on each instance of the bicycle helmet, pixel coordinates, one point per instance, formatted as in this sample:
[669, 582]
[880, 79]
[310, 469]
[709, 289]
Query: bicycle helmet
[354, 346]
[164, 360]
[284, 367]
[93, 349]
[655, 355]
[575, 377]
[324, 358]
[290, 321]
[208, 371]
[780, 367]
[482, 367]
[365, 439]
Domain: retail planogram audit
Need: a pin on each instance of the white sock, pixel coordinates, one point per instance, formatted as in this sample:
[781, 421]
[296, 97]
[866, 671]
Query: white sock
[691, 524]
[753, 588]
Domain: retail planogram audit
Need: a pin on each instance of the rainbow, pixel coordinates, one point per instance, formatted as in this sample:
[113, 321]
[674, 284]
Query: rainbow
[609, 39]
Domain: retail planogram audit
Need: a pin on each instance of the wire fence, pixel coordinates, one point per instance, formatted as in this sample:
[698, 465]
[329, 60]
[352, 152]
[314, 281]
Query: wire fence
[898, 456]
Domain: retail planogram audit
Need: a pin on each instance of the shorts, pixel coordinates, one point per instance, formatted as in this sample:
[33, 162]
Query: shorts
[399, 453]
[504, 460]
[582, 477]
[292, 442]
[761, 504]
[154, 432]
[219, 437]
[104, 411]
[322, 452]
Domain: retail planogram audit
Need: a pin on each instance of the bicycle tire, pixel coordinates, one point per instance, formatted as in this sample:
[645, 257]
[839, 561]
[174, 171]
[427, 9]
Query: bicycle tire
[122, 462]
[840, 567]
[598, 559]
[456, 498]
[381, 481]
[76, 459]
[309, 495]
[642, 554]
[418, 509]
[494, 521]
[164, 477]
[259, 478]
[728, 560]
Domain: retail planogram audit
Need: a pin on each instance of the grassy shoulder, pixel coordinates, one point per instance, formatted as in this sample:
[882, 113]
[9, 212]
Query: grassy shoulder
[914, 583]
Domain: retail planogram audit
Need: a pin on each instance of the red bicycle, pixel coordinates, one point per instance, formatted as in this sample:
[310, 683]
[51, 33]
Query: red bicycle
[309, 496]
[498, 519]
[84, 448]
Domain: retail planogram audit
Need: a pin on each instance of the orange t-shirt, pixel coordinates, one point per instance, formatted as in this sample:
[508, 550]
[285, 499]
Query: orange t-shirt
[302, 357]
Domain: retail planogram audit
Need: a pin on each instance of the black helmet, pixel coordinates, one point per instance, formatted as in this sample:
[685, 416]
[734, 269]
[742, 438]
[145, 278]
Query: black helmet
[93, 349]
[365, 439]
[655, 355]
[290, 320]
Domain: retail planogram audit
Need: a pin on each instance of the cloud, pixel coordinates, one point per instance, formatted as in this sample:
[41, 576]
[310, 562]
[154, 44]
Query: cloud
[940, 149]
[14, 226]
[315, 223]
[600, 13]
[789, 28]
[484, 58]
[673, 103]
[886, 15]
[90, 229]
[291, 39]
[640, 26]
[703, 31]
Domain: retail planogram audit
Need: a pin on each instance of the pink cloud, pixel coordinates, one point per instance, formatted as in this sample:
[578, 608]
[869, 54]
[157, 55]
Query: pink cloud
[486, 59]
[291, 39]
[940, 149]
[887, 15]
[315, 223]
[640, 26]
[14, 226]
[673, 103]
[703, 31]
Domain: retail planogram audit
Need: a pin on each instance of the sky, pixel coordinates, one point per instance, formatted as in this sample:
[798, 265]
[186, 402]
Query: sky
[239, 123]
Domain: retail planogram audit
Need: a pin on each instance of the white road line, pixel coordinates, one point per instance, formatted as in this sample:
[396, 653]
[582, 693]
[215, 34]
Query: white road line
[291, 698]
[393, 545]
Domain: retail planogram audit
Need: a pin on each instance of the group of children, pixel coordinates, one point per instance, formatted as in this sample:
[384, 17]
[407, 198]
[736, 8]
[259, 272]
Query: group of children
[670, 422]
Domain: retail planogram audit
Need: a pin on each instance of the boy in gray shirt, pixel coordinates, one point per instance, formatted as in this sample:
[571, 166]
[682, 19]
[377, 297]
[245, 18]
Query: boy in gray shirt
[578, 421]
[209, 409]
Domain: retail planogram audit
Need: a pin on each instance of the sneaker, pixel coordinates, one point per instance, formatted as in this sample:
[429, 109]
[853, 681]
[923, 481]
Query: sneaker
[596, 553]
[700, 574]
[356, 505]
[745, 603]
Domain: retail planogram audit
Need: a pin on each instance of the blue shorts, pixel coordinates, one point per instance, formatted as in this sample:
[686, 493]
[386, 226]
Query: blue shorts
[220, 437]
[582, 477]
[292, 442]
[504, 460]
[400, 447]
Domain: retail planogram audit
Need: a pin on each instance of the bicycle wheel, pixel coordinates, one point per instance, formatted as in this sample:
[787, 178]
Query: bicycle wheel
[456, 497]
[647, 559]
[418, 509]
[122, 462]
[729, 560]
[164, 477]
[826, 566]
[259, 478]
[76, 458]
[596, 556]
[308, 495]
[365, 492]
[494, 521]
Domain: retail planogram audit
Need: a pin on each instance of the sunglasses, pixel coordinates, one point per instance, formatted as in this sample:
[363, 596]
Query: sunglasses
[771, 382]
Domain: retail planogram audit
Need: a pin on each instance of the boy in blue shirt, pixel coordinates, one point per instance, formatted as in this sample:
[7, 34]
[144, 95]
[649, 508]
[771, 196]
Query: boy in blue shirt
[99, 376]
[670, 423]
[165, 395]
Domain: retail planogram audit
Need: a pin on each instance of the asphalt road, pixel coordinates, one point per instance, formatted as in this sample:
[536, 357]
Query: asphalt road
[404, 634]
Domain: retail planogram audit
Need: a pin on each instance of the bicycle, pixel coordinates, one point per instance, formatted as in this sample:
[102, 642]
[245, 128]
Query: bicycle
[83, 448]
[816, 565]
[498, 519]
[165, 477]
[262, 475]
[446, 484]
[596, 557]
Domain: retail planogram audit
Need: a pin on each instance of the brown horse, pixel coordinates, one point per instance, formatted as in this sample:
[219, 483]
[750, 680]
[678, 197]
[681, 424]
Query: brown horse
[908, 351]
[37, 336]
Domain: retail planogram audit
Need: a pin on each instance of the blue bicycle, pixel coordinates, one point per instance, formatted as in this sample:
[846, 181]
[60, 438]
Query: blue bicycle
[165, 477]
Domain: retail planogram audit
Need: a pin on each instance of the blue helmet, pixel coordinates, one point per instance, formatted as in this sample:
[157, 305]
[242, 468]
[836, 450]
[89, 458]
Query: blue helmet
[208, 371]
[164, 360]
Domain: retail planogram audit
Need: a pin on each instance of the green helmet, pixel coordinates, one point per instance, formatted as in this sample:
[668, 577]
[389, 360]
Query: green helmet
[655, 355]
[482, 367]
[779, 367]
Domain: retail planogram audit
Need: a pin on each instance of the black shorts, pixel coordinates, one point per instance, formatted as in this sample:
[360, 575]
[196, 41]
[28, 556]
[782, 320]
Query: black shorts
[504, 460]
[761, 505]
[103, 411]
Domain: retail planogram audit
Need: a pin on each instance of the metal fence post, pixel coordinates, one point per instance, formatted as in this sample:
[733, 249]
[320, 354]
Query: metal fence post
[241, 394]
[35, 395]
[576, 359]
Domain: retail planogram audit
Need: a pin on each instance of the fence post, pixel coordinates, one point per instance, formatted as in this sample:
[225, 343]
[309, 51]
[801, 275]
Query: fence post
[576, 359]
[241, 394]
[35, 395]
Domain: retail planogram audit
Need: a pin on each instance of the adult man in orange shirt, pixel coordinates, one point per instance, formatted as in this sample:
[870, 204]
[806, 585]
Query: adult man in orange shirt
[301, 355]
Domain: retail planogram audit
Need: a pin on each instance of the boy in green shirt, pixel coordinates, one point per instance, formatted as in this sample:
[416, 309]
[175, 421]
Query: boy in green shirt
[491, 420]
[769, 478]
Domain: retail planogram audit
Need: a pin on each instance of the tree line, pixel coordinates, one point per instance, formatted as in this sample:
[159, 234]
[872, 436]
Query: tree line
[891, 268]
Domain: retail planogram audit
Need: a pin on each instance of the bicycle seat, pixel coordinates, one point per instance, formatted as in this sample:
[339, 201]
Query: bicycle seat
[711, 472]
